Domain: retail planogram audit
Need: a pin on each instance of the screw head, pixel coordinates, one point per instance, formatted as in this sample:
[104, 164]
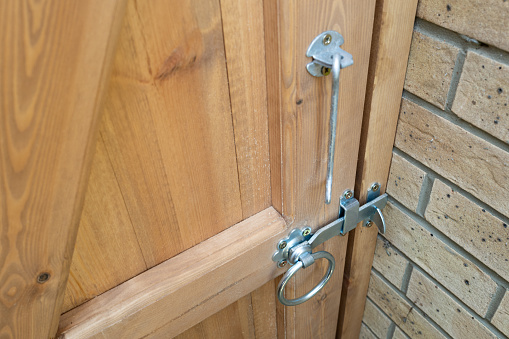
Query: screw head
[282, 245]
[347, 194]
[282, 263]
[43, 277]
[327, 39]
[306, 231]
[368, 223]
[375, 187]
[325, 70]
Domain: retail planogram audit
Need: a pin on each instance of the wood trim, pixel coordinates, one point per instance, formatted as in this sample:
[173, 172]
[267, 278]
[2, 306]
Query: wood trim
[392, 34]
[184, 290]
[56, 58]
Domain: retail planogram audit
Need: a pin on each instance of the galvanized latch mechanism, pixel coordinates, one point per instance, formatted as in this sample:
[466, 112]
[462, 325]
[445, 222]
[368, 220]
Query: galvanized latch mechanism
[297, 248]
[327, 54]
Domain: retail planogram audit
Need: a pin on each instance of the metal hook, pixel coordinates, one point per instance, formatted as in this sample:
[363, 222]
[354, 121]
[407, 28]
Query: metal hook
[326, 54]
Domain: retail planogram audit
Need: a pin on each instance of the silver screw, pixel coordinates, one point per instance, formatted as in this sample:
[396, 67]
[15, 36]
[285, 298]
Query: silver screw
[347, 194]
[282, 245]
[368, 223]
[306, 231]
[281, 263]
[375, 187]
[327, 39]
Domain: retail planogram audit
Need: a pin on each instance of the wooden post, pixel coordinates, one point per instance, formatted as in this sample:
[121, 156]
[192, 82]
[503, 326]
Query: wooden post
[298, 108]
[392, 35]
[55, 57]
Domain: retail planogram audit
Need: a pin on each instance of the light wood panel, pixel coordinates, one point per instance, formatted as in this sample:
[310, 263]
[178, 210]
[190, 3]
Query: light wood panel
[298, 120]
[391, 44]
[168, 126]
[184, 290]
[235, 321]
[55, 58]
[188, 162]
[245, 54]
[106, 238]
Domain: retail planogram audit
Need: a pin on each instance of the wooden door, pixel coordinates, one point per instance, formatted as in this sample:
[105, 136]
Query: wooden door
[210, 148]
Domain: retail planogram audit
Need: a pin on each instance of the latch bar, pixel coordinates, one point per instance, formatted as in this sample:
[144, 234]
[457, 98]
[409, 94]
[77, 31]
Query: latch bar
[297, 248]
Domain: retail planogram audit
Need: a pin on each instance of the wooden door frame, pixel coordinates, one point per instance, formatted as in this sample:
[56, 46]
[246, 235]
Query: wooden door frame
[392, 35]
[160, 287]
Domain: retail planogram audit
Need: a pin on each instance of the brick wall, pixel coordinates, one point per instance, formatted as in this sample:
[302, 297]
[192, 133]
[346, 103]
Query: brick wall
[442, 269]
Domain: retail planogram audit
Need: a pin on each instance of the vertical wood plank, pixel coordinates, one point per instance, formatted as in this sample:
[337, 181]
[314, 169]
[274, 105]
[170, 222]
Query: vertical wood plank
[235, 321]
[168, 126]
[392, 35]
[264, 310]
[245, 59]
[298, 124]
[55, 56]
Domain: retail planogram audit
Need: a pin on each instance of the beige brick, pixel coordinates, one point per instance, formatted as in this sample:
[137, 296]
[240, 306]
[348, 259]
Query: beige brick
[400, 311]
[483, 95]
[405, 181]
[457, 274]
[479, 232]
[366, 333]
[470, 162]
[376, 320]
[447, 313]
[399, 334]
[430, 67]
[501, 317]
[484, 20]
[389, 262]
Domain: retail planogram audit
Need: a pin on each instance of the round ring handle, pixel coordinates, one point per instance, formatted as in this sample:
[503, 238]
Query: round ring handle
[289, 274]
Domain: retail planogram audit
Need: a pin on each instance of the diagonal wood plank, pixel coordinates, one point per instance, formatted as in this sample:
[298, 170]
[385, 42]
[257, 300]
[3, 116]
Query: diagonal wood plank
[55, 57]
[186, 289]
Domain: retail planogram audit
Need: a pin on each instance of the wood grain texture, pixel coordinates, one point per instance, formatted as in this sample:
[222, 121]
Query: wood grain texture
[235, 321]
[390, 47]
[245, 54]
[187, 167]
[298, 124]
[55, 59]
[186, 289]
[168, 127]
[106, 238]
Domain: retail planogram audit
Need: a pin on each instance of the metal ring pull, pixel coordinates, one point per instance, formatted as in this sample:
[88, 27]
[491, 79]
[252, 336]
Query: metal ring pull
[298, 265]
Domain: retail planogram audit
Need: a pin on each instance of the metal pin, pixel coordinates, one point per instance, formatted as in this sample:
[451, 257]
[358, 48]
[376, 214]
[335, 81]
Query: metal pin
[332, 126]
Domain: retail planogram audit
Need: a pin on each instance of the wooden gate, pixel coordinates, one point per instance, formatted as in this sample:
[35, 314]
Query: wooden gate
[172, 164]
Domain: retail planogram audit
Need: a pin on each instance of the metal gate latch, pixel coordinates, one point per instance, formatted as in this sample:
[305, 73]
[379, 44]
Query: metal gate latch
[327, 54]
[297, 248]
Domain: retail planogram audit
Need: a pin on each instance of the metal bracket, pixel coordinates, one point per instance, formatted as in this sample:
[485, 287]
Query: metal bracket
[349, 216]
[297, 248]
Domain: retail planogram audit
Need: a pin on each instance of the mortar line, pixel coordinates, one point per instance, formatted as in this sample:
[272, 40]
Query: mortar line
[454, 186]
[425, 194]
[471, 312]
[453, 118]
[410, 302]
[450, 243]
[406, 277]
[495, 303]
[391, 329]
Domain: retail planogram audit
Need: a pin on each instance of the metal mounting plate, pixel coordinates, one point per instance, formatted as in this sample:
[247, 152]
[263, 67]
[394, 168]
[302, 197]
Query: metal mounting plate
[323, 53]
